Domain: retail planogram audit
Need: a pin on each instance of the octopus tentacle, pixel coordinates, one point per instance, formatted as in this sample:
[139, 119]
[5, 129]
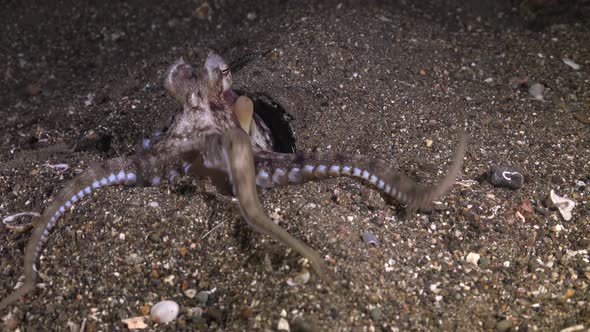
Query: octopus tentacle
[276, 169]
[127, 171]
[239, 159]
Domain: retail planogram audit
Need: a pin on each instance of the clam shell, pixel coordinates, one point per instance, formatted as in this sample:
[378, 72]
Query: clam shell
[164, 311]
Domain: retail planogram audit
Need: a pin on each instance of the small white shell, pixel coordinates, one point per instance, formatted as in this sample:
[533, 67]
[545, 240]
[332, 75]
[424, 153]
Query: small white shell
[563, 204]
[299, 279]
[164, 311]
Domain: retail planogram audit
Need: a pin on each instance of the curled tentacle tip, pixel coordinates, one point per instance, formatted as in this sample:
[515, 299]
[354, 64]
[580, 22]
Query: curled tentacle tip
[244, 110]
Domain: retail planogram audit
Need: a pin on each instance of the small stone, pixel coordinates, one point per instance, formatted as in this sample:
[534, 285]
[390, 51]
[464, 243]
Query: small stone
[251, 16]
[283, 325]
[374, 297]
[154, 274]
[89, 99]
[203, 12]
[202, 297]
[10, 322]
[247, 313]
[164, 311]
[370, 238]
[153, 204]
[472, 258]
[190, 293]
[376, 313]
[503, 176]
[204, 283]
[145, 309]
[214, 314]
[133, 259]
[536, 90]
[122, 236]
[195, 312]
[182, 251]
[484, 262]
[583, 116]
[154, 237]
[200, 325]
[503, 325]
[334, 313]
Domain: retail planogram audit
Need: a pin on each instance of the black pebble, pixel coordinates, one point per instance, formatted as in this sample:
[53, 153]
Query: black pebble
[502, 176]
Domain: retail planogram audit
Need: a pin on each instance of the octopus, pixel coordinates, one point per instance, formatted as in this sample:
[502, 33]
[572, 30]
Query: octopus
[217, 135]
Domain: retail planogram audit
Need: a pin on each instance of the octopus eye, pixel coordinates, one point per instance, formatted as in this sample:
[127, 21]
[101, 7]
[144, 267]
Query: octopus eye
[225, 70]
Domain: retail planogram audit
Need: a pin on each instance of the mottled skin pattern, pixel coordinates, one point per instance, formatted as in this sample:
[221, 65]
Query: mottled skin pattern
[206, 138]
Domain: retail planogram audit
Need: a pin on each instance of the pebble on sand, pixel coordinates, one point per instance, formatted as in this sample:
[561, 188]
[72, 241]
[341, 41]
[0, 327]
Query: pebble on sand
[472, 258]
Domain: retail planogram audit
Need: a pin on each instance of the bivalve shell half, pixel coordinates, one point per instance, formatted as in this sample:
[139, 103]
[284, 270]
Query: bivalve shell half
[164, 311]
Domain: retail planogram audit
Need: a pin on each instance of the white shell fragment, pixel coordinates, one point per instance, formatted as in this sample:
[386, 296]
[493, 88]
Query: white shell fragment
[563, 204]
[300, 279]
[164, 311]
[283, 325]
[571, 63]
[135, 323]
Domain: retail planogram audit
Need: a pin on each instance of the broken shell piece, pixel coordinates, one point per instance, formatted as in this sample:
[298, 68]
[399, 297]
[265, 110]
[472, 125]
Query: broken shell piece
[283, 325]
[563, 204]
[300, 279]
[164, 311]
[244, 110]
[571, 63]
[190, 293]
[135, 322]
